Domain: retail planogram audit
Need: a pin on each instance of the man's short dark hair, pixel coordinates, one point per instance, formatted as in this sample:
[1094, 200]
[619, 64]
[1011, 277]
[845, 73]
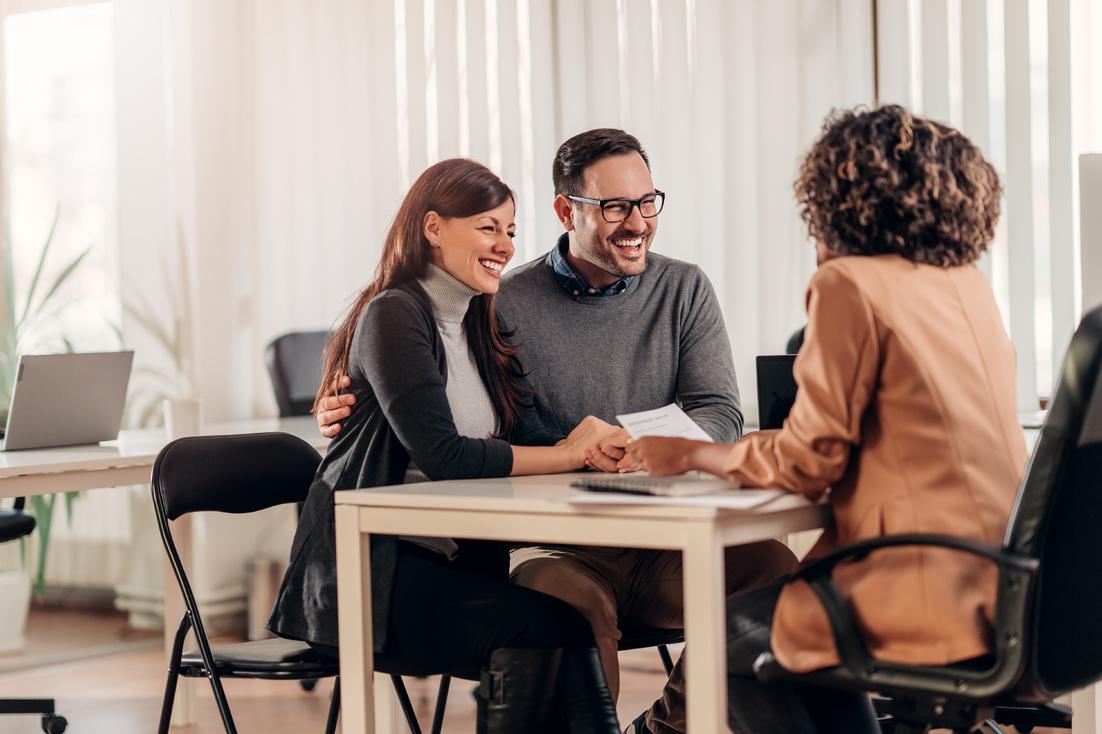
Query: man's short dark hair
[576, 154]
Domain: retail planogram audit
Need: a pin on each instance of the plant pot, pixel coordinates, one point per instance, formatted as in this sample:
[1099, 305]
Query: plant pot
[15, 600]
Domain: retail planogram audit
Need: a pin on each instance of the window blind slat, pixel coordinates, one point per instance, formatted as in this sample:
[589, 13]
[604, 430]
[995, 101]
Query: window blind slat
[573, 65]
[601, 76]
[935, 60]
[478, 110]
[893, 52]
[546, 135]
[976, 89]
[446, 65]
[1061, 178]
[509, 91]
[1019, 198]
[638, 69]
[416, 88]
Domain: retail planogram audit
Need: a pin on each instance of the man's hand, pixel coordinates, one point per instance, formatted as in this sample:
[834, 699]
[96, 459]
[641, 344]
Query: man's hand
[608, 455]
[586, 435]
[335, 408]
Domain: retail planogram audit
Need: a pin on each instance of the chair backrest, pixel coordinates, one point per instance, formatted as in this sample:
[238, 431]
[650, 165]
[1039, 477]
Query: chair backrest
[295, 366]
[242, 473]
[1057, 519]
[16, 523]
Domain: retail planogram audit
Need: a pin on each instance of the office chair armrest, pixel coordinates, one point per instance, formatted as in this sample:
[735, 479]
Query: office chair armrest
[859, 550]
[848, 639]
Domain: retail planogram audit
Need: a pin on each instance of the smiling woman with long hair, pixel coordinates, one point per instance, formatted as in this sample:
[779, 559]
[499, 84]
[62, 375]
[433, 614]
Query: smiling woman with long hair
[439, 396]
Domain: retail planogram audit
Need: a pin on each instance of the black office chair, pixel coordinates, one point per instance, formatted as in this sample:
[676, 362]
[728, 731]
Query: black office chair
[17, 523]
[1048, 640]
[295, 366]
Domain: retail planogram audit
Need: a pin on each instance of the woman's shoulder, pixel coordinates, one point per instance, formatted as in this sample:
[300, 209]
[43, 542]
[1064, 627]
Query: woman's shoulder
[392, 312]
[401, 301]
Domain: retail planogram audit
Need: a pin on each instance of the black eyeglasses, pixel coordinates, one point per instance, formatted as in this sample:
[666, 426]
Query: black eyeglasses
[617, 210]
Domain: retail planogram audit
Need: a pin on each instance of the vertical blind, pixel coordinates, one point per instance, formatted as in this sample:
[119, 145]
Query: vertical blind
[338, 106]
[1001, 71]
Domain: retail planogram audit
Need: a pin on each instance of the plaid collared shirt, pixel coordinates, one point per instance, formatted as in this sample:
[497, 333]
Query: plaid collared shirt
[574, 284]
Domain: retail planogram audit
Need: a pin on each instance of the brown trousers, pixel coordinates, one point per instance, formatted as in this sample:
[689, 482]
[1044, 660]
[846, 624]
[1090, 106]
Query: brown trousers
[618, 587]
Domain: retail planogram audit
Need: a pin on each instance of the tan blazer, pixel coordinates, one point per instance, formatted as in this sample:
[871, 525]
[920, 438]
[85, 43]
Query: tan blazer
[906, 409]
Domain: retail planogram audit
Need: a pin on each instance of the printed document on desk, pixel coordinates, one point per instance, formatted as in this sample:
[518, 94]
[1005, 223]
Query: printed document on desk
[669, 421]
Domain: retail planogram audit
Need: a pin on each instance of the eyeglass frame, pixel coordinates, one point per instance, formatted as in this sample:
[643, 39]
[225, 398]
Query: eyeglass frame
[635, 204]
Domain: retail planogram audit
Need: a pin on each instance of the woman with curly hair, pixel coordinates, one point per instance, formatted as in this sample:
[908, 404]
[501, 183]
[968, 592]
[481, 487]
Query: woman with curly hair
[905, 413]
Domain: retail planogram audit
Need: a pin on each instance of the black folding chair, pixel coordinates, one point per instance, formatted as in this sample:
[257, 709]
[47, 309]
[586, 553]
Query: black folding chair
[240, 474]
[235, 474]
[1047, 638]
[17, 523]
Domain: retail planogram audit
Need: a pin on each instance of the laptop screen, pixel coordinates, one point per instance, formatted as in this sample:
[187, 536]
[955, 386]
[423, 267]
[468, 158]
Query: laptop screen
[776, 389]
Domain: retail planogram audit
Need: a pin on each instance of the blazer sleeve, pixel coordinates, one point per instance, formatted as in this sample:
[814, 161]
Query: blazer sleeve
[706, 384]
[394, 347]
[836, 373]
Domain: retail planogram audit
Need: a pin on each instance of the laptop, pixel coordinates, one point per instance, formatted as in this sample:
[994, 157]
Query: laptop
[67, 399]
[776, 389]
[682, 485]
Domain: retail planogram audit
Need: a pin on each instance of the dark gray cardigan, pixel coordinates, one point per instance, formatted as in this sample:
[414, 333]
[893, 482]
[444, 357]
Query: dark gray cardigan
[398, 372]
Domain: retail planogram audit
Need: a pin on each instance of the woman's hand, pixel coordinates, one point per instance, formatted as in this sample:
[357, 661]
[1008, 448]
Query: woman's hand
[664, 456]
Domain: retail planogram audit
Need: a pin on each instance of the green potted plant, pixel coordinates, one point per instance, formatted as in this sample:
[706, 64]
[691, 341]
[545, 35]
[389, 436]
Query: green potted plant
[23, 326]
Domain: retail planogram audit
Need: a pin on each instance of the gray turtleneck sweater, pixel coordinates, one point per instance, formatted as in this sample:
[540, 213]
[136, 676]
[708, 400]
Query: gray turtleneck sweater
[472, 410]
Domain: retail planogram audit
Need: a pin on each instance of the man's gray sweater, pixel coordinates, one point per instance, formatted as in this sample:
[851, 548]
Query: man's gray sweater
[660, 341]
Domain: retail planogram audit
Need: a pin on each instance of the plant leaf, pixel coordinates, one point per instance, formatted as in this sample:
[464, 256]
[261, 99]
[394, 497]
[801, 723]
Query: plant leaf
[70, 498]
[40, 266]
[63, 276]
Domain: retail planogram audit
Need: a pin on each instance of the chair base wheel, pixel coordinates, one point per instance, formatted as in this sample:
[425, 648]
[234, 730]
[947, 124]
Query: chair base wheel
[54, 724]
[308, 684]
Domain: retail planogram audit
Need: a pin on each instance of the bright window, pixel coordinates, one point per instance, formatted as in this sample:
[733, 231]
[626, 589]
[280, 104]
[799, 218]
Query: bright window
[59, 161]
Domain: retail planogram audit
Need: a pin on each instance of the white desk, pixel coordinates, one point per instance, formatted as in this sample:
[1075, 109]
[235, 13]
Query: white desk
[119, 463]
[127, 461]
[532, 509]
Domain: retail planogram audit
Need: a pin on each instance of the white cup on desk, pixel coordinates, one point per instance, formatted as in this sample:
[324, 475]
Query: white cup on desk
[183, 416]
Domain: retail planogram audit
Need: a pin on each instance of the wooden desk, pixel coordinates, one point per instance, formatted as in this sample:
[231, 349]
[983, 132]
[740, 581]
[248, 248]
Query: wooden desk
[533, 509]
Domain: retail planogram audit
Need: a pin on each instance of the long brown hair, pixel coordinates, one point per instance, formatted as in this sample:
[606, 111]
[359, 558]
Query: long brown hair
[452, 188]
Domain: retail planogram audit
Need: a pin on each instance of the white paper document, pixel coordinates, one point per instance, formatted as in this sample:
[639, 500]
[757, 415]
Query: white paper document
[668, 421]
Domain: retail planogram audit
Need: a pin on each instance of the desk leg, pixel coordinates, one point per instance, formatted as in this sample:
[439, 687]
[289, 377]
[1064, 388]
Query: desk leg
[354, 622]
[1085, 709]
[183, 710]
[705, 632]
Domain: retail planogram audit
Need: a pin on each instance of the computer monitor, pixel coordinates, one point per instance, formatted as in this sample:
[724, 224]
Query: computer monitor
[776, 389]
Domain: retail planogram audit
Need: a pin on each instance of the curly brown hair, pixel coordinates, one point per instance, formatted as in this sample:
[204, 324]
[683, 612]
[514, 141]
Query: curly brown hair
[883, 182]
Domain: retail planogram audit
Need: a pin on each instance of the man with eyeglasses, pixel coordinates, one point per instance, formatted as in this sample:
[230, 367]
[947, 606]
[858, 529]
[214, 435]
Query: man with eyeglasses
[606, 327]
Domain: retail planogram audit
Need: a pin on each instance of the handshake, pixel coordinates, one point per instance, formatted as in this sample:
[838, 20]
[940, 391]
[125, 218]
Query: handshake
[602, 446]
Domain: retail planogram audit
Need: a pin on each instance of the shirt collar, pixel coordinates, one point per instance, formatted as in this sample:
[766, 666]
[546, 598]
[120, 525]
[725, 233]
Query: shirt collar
[568, 278]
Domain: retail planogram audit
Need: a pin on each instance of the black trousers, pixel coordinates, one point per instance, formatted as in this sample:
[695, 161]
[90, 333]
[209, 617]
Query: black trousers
[451, 615]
